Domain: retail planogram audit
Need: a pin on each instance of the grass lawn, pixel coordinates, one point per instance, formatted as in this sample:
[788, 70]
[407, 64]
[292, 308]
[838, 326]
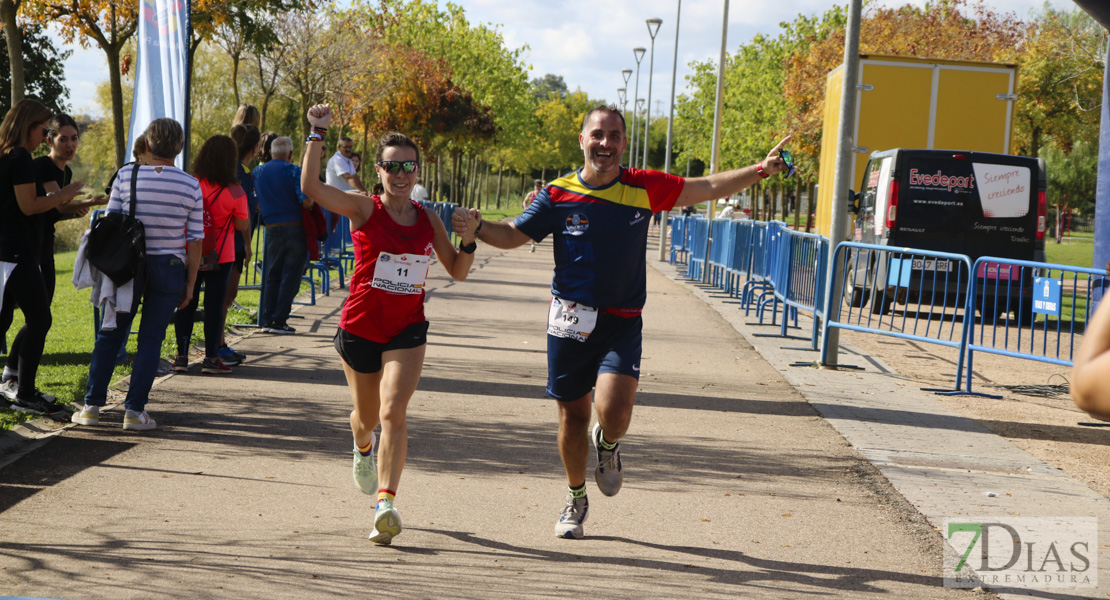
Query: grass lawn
[1079, 253]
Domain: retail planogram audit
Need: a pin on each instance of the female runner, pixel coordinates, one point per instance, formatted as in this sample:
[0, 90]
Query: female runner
[382, 329]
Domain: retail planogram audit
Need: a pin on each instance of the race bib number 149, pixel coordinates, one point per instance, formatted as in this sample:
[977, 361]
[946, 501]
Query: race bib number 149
[400, 273]
[571, 320]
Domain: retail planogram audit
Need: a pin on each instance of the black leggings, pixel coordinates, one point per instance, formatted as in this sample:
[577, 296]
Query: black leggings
[27, 288]
[8, 312]
[215, 287]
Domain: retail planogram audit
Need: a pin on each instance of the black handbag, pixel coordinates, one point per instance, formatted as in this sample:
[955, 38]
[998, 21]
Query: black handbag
[117, 242]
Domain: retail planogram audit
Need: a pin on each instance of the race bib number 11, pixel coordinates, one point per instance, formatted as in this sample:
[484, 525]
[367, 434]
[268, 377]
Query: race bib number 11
[571, 320]
[400, 273]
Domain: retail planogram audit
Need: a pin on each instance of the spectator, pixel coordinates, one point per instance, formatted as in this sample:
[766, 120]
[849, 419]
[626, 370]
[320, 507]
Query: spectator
[278, 183]
[51, 174]
[419, 192]
[727, 212]
[528, 198]
[170, 207]
[21, 279]
[246, 139]
[247, 114]
[225, 211]
[341, 169]
[267, 139]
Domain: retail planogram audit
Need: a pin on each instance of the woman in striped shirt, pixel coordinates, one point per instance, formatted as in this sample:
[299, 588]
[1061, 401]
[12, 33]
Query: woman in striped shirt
[170, 206]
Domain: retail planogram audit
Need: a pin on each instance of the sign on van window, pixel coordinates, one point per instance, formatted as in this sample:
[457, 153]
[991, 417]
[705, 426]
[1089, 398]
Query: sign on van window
[1003, 190]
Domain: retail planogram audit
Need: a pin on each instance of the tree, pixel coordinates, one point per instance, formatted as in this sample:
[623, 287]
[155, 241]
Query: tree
[110, 25]
[14, 43]
[1060, 81]
[44, 63]
[1071, 180]
[548, 85]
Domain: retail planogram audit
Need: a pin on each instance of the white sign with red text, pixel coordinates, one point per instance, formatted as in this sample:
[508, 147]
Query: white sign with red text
[1003, 190]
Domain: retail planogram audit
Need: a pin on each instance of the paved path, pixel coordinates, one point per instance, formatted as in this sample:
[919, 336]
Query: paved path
[735, 485]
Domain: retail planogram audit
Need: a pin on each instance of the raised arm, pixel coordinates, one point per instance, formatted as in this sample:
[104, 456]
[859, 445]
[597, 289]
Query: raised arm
[30, 204]
[352, 205]
[726, 183]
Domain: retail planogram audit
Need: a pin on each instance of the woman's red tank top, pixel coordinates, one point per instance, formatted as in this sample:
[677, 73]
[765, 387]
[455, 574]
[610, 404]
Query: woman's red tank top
[373, 313]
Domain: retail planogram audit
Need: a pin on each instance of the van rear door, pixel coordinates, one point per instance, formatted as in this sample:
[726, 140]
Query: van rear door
[935, 198]
[1002, 220]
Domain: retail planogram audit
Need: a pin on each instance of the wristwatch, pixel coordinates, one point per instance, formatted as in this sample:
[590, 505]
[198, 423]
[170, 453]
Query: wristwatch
[759, 169]
[468, 248]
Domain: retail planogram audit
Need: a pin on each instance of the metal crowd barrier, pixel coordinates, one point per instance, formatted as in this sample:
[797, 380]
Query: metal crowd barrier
[739, 262]
[697, 241]
[1051, 306]
[720, 251]
[932, 285]
[678, 238]
[801, 284]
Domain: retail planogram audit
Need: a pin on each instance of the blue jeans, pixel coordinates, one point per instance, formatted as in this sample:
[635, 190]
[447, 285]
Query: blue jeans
[159, 285]
[286, 256]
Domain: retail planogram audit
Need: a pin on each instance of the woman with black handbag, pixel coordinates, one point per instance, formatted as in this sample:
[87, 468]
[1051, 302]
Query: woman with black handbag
[169, 204]
[225, 212]
[21, 279]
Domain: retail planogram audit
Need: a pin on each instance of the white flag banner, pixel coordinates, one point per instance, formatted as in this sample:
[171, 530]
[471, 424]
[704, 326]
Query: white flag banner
[161, 78]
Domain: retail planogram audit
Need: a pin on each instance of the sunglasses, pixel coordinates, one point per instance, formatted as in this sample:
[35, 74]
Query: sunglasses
[787, 158]
[395, 166]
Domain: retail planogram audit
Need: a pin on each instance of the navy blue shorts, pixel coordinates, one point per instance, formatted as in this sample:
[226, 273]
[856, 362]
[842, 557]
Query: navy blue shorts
[614, 347]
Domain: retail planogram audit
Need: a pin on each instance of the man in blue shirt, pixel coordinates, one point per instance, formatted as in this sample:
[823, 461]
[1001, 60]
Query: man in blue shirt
[598, 217]
[278, 185]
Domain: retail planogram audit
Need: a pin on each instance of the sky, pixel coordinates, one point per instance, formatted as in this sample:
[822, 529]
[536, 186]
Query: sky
[589, 52]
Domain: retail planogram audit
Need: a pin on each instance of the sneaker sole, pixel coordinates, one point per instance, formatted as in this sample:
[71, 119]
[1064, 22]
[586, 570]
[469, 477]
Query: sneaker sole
[208, 371]
[139, 426]
[27, 409]
[386, 527]
[84, 420]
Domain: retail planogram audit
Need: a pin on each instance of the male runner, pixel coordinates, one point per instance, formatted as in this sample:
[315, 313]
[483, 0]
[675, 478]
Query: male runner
[599, 218]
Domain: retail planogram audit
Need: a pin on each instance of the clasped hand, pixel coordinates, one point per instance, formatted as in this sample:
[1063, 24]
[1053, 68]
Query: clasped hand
[465, 222]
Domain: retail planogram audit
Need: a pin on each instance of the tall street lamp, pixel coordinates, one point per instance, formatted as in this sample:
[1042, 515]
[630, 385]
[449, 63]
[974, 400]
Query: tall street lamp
[639, 54]
[622, 99]
[627, 73]
[670, 131]
[653, 28]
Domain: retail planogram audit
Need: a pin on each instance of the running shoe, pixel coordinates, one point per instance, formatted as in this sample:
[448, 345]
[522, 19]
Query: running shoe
[9, 389]
[569, 525]
[387, 523]
[230, 356]
[35, 404]
[88, 415]
[181, 364]
[608, 473]
[138, 421]
[366, 475]
[214, 366]
[279, 328]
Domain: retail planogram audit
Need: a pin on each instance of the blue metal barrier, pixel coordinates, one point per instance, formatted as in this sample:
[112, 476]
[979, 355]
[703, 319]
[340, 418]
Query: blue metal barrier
[720, 251]
[932, 285]
[697, 239]
[1051, 305]
[678, 238]
[802, 285]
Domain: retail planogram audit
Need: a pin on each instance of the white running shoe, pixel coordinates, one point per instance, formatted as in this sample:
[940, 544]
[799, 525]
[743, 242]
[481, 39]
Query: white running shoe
[138, 421]
[387, 523]
[569, 525]
[88, 415]
[608, 473]
[365, 473]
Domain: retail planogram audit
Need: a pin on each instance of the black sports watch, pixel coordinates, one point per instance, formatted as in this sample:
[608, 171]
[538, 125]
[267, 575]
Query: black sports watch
[468, 248]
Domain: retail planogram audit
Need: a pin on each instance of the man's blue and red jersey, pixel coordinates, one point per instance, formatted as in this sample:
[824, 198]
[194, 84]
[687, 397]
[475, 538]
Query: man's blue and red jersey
[600, 235]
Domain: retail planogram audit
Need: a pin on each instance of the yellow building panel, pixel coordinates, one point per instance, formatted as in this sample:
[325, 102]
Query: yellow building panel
[973, 116]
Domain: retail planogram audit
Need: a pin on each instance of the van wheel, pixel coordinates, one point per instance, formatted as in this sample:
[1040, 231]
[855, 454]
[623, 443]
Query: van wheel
[882, 304]
[859, 297]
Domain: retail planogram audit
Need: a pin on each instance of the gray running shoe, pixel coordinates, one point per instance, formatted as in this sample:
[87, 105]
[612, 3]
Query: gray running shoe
[608, 473]
[387, 523]
[569, 525]
[365, 473]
